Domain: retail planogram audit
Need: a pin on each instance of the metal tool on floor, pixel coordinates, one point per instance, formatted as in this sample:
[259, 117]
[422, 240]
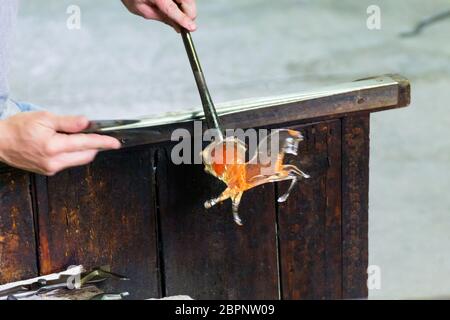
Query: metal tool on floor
[96, 275]
[110, 296]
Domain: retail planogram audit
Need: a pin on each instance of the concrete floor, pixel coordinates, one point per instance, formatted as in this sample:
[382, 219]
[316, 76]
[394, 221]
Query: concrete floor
[121, 66]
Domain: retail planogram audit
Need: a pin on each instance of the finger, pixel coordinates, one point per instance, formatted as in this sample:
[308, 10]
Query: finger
[171, 10]
[129, 6]
[62, 143]
[172, 24]
[148, 12]
[188, 7]
[69, 124]
[154, 13]
[72, 159]
[165, 19]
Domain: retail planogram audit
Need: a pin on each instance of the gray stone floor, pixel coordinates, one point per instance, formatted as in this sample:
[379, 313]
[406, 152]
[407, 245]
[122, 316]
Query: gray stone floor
[121, 66]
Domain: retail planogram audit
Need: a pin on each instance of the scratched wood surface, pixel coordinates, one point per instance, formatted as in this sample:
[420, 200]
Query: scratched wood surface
[102, 214]
[355, 205]
[310, 220]
[206, 255]
[17, 237]
[151, 225]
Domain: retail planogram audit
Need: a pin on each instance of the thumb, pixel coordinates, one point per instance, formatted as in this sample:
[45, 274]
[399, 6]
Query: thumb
[70, 124]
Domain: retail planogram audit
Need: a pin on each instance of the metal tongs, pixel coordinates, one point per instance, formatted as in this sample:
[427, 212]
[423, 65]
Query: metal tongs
[212, 120]
[96, 275]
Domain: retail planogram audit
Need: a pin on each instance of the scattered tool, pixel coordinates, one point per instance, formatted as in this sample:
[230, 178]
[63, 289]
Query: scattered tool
[96, 275]
[110, 296]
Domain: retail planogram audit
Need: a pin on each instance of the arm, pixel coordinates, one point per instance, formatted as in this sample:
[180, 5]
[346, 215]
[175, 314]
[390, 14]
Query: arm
[45, 143]
[172, 12]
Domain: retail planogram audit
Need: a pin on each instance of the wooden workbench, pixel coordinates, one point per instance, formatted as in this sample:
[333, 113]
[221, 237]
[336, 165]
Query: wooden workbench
[136, 211]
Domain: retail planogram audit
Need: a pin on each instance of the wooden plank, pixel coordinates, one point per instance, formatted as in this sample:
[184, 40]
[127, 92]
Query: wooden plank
[103, 214]
[17, 237]
[368, 95]
[355, 203]
[206, 255]
[310, 220]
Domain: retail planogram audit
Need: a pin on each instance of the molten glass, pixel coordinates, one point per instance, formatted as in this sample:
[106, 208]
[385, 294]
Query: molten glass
[225, 159]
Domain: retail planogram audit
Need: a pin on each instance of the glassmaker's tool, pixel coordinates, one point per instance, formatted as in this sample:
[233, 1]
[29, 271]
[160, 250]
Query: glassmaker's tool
[114, 127]
[225, 158]
[96, 275]
[212, 120]
[110, 296]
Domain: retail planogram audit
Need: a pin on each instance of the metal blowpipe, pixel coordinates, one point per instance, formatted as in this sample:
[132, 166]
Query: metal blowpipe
[212, 120]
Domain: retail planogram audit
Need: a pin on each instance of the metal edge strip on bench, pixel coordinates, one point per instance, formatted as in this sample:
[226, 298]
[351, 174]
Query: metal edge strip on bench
[367, 95]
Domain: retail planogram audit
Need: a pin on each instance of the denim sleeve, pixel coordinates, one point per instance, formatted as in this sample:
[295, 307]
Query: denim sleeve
[12, 107]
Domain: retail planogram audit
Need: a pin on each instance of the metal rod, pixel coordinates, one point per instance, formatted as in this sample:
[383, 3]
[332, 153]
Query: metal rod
[212, 120]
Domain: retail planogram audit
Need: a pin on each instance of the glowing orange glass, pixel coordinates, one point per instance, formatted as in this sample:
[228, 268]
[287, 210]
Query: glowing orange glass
[225, 159]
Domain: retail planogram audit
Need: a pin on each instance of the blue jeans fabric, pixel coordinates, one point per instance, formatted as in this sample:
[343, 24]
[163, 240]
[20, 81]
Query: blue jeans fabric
[12, 107]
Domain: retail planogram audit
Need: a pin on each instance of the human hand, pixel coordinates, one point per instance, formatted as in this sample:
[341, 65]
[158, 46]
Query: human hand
[45, 143]
[166, 11]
